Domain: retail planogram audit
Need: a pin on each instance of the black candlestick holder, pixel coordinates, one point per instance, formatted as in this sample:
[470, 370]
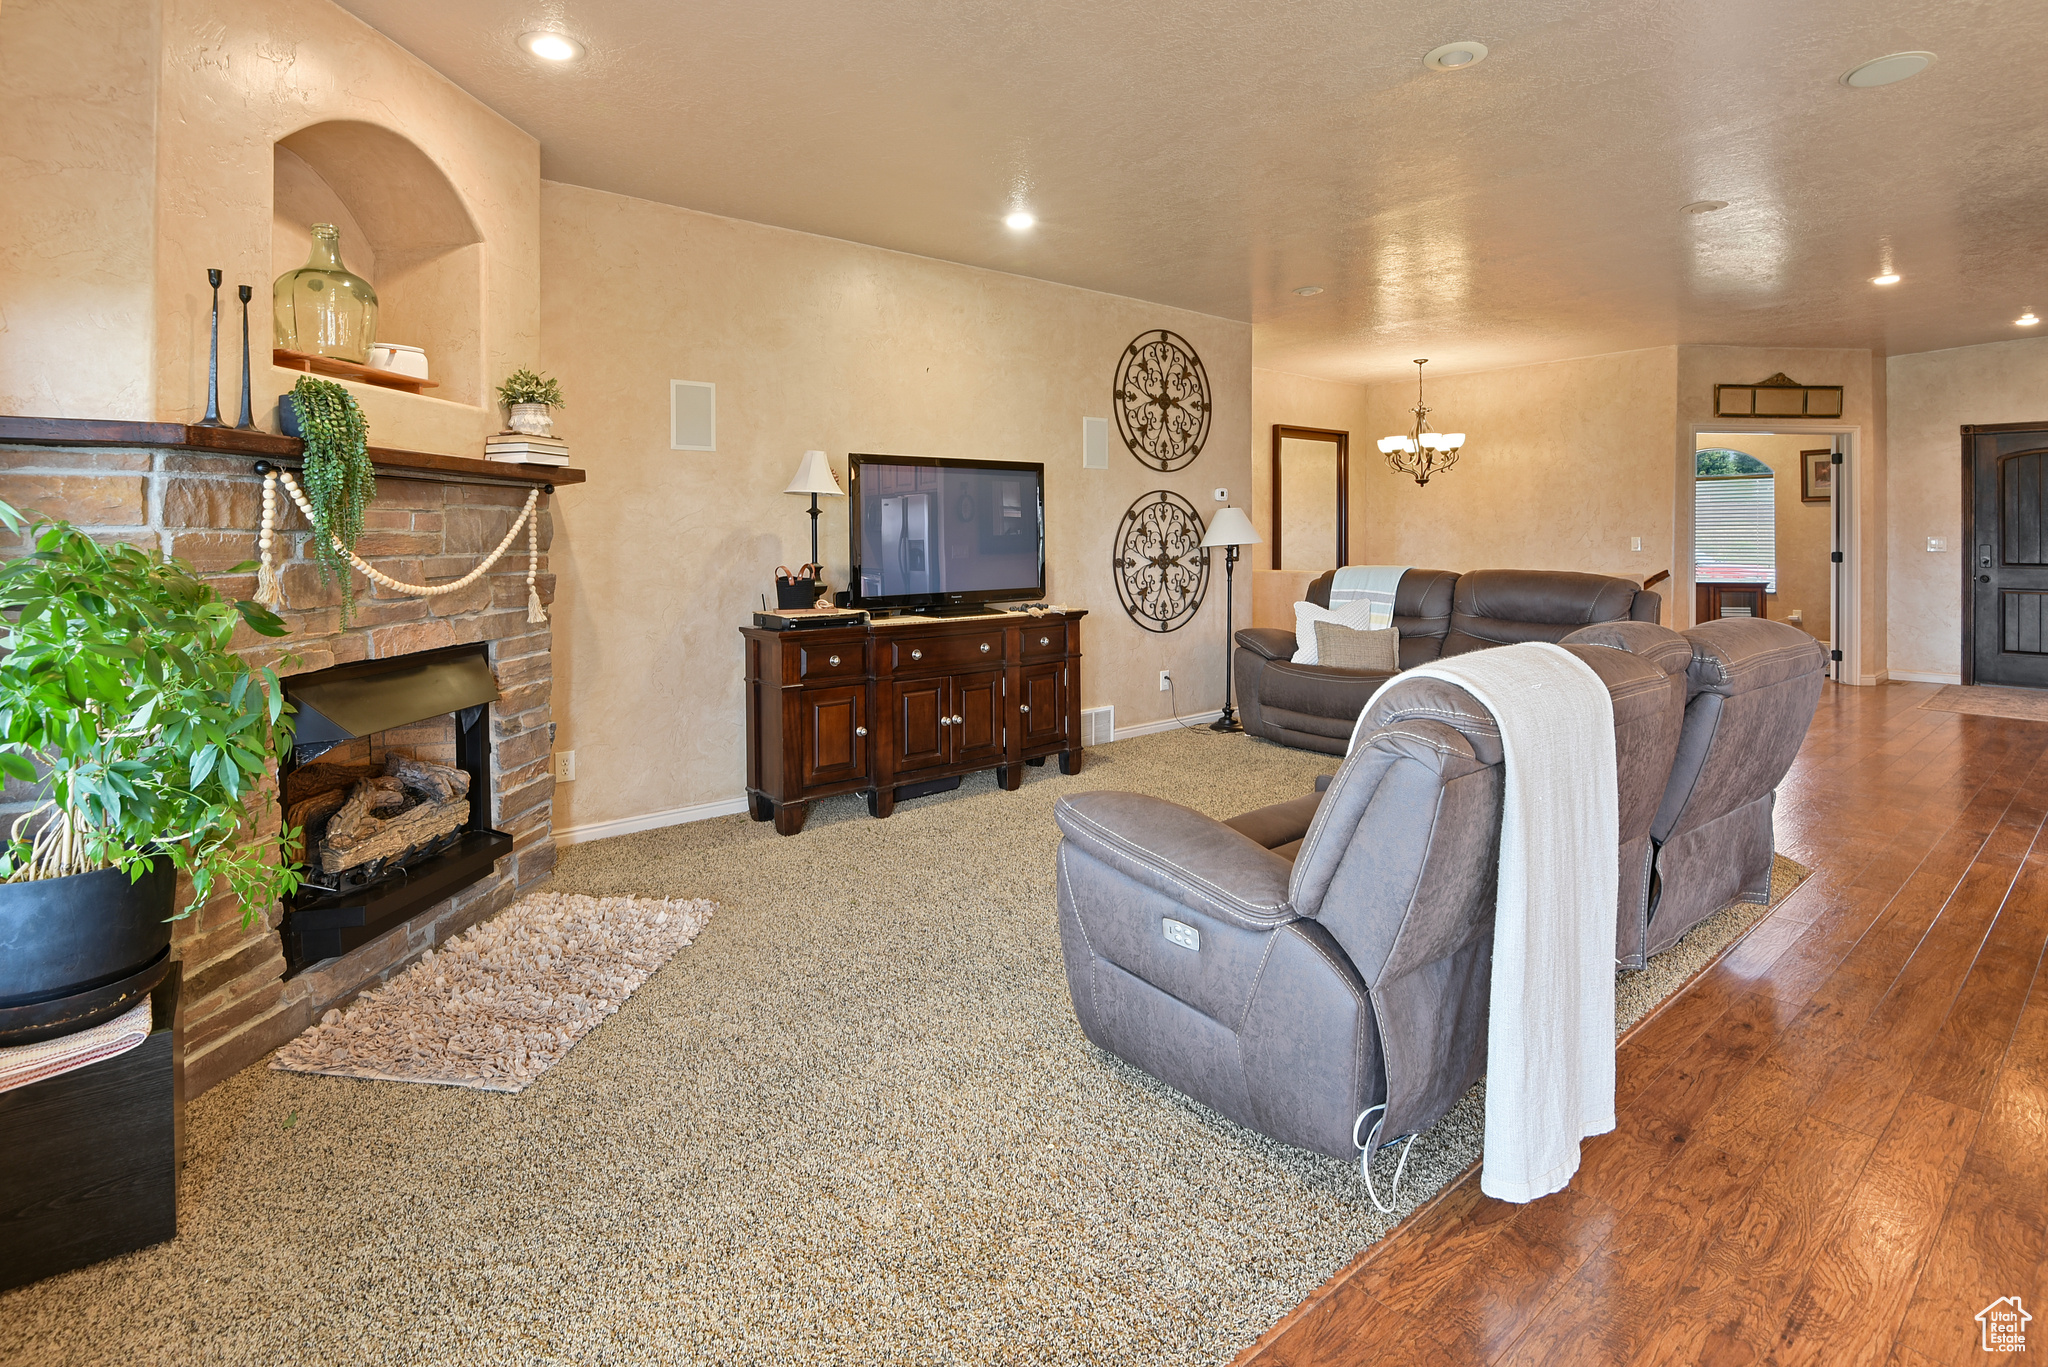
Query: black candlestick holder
[248, 422]
[212, 418]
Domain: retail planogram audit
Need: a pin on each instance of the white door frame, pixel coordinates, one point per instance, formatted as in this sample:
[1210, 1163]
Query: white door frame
[1845, 615]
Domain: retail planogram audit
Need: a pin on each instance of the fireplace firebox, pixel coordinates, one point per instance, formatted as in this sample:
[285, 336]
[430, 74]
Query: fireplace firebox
[390, 780]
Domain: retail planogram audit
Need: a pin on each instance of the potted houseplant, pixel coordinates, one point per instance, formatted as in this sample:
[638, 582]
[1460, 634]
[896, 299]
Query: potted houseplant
[149, 744]
[527, 398]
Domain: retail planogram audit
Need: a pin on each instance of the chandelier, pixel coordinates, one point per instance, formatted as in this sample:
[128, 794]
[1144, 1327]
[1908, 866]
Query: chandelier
[1423, 452]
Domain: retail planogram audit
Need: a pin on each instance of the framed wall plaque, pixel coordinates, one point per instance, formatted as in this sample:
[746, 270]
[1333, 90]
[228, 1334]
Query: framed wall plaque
[1778, 397]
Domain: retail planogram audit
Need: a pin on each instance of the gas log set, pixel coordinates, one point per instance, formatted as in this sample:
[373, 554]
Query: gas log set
[361, 820]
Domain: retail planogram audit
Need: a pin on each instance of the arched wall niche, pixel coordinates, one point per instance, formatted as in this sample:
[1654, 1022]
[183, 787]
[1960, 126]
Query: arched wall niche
[404, 228]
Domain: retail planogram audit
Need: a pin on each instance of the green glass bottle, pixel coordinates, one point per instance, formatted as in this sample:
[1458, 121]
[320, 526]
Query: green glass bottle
[322, 308]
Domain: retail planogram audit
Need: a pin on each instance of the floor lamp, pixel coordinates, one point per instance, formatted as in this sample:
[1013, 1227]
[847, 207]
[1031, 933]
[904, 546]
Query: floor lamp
[1230, 530]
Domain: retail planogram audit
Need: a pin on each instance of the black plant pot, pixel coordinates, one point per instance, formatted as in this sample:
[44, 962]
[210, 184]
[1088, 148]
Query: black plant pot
[81, 950]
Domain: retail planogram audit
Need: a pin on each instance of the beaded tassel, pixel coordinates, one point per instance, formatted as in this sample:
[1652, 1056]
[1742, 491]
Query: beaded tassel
[533, 608]
[268, 592]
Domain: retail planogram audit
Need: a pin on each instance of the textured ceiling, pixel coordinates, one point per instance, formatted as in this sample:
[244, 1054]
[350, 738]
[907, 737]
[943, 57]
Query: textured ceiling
[1215, 154]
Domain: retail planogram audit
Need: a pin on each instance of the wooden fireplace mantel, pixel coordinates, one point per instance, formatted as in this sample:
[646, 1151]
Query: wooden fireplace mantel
[229, 441]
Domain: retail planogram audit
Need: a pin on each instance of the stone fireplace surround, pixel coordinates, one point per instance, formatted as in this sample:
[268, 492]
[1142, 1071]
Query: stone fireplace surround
[194, 493]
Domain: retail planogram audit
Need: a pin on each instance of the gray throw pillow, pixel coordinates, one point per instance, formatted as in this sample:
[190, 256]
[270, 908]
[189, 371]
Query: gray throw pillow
[1349, 648]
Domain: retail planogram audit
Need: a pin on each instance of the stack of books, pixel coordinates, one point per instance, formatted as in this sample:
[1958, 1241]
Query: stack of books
[520, 449]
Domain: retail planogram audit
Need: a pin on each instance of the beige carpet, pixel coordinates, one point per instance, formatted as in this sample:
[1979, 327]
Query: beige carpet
[1982, 700]
[503, 1002]
[854, 1124]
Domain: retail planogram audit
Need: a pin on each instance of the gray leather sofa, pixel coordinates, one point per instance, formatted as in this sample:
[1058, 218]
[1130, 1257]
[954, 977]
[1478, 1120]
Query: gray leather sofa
[1438, 614]
[1304, 962]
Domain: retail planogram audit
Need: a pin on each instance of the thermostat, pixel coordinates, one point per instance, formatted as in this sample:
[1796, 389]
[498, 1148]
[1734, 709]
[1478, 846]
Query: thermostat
[1223, 495]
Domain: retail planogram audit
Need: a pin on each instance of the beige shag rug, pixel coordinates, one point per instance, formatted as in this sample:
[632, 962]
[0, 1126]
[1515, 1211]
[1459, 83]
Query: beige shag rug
[856, 1123]
[1984, 700]
[500, 1004]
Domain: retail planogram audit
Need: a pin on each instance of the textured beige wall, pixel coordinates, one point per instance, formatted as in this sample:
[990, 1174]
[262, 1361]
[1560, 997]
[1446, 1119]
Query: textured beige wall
[815, 343]
[77, 160]
[1300, 401]
[1805, 530]
[1564, 464]
[1932, 395]
[237, 76]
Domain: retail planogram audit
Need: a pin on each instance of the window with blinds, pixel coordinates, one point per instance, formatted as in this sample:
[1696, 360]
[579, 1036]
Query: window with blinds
[1735, 529]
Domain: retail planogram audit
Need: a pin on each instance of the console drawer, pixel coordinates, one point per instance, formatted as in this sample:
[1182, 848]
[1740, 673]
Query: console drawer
[946, 652]
[837, 660]
[1044, 639]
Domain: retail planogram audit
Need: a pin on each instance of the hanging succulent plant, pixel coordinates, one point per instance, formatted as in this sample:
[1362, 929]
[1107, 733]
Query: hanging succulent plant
[338, 477]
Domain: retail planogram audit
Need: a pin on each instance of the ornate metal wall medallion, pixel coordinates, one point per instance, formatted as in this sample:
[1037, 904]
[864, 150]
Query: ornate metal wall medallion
[1162, 572]
[1162, 400]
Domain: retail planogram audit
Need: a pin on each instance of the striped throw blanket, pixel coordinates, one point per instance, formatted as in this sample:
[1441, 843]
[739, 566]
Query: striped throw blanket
[1371, 583]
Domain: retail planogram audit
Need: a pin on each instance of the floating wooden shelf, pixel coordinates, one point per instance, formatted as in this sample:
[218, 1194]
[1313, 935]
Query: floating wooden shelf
[234, 441]
[347, 370]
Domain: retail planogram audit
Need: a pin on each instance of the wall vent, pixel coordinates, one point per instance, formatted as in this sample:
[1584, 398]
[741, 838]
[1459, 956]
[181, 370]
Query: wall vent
[1095, 443]
[692, 416]
[1098, 725]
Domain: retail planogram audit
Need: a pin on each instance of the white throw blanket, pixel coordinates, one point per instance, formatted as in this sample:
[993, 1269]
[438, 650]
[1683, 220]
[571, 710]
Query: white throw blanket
[1550, 1037]
[1375, 584]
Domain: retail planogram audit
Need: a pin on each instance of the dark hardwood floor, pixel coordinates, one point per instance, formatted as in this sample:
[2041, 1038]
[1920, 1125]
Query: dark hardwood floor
[1833, 1146]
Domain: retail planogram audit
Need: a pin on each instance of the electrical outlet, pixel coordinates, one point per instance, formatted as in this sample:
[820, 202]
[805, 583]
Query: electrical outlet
[1222, 495]
[1635, 543]
[1165, 680]
[565, 766]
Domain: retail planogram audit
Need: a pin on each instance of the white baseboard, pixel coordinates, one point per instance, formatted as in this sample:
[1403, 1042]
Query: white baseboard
[674, 816]
[1905, 676]
[733, 806]
[1148, 728]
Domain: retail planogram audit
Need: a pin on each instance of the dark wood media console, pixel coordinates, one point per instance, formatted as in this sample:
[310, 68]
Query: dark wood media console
[901, 706]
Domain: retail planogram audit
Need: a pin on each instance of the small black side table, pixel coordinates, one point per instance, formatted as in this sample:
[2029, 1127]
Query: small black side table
[89, 1159]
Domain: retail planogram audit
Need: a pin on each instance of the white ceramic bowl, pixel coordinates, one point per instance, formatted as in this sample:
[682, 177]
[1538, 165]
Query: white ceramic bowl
[400, 359]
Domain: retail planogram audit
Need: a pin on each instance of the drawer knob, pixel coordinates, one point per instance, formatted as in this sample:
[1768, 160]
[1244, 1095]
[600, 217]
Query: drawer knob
[1045, 640]
[860, 730]
[945, 721]
[917, 654]
[984, 647]
[1023, 707]
[832, 659]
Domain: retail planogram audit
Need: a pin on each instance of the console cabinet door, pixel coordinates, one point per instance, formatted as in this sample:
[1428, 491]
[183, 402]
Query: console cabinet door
[978, 706]
[834, 746]
[1042, 710]
[920, 708]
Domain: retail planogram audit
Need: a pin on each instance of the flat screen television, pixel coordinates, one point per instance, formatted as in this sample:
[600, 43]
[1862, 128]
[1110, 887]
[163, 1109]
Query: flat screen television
[932, 533]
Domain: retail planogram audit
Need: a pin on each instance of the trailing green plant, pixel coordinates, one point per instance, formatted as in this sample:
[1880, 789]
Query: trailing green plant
[147, 735]
[338, 478]
[523, 386]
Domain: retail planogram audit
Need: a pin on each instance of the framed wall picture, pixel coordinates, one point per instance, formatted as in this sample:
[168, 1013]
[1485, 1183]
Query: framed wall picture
[1816, 476]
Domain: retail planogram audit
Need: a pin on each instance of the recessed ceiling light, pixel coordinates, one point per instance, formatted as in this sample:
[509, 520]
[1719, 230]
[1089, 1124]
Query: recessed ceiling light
[1455, 56]
[2027, 319]
[1887, 70]
[1888, 278]
[1706, 206]
[1019, 221]
[1307, 290]
[555, 47]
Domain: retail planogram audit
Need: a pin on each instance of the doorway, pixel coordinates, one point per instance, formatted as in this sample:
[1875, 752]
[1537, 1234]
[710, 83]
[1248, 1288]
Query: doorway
[1311, 498]
[2005, 562]
[1770, 532]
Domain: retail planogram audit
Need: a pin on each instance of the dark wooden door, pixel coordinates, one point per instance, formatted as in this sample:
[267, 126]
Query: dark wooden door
[1043, 706]
[978, 718]
[2005, 599]
[835, 727]
[922, 717]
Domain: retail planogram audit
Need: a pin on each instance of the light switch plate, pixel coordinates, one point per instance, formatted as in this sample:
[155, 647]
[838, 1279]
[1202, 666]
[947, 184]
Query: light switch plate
[1937, 543]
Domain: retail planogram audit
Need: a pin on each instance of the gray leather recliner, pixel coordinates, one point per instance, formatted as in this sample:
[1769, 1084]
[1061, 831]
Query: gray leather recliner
[1753, 686]
[1307, 961]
